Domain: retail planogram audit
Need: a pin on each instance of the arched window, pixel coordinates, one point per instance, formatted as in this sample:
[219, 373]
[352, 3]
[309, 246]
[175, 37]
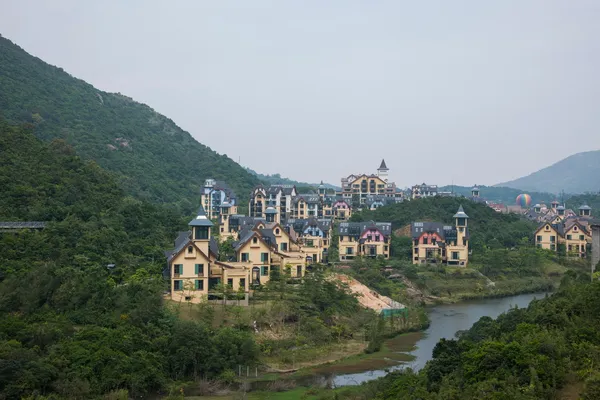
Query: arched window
[190, 249]
[254, 240]
[277, 231]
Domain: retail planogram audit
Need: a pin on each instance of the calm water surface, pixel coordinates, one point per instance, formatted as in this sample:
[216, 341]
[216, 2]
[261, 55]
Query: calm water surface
[446, 320]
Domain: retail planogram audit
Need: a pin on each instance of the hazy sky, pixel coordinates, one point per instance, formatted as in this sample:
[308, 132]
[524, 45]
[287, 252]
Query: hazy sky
[446, 91]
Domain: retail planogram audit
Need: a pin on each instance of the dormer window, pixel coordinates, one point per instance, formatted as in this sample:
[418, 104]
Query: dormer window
[190, 249]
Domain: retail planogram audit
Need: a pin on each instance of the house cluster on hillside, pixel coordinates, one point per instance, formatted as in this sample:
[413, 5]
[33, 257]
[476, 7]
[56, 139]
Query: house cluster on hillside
[562, 227]
[284, 231]
[287, 232]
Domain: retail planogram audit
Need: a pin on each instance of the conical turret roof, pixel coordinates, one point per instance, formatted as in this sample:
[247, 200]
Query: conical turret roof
[201, 219]
[461, 213]
[383, 166]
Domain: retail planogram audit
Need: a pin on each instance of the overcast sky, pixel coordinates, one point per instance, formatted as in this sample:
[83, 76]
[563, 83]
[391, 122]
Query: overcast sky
[446, 91]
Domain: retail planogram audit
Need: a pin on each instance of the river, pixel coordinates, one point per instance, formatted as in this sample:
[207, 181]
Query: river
[446, 320]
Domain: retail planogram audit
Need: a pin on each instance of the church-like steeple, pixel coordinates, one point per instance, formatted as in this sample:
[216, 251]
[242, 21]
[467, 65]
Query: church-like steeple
[382, 171]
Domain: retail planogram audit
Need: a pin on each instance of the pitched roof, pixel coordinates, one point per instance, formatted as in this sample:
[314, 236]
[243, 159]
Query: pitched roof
[201, 219]
[383, 166]
[444, 230]
[358, 228]
[460, 213]
[213, 246]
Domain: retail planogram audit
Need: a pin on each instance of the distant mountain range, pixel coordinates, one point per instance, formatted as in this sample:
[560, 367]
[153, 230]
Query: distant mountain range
[579, 173]
[153, 158]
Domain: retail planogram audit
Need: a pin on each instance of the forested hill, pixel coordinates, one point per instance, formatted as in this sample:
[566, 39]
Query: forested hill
[579, 173]
[71, 328]
[486, 226]
[154, 158]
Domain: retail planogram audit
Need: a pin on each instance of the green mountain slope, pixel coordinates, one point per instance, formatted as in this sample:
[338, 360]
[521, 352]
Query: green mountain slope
[277, 179]
[155, 159]
[579, 173]
[71, 328]
[499, 194]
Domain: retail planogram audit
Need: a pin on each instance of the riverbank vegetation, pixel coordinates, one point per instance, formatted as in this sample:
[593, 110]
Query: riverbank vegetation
[539, 352]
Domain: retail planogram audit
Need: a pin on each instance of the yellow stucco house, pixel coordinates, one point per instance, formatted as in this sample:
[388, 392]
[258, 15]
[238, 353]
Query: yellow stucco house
[364, 239]
[436, 242]
[196, 274]
[572, 233]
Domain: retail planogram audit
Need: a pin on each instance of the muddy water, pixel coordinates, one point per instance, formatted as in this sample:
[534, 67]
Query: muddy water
[446, 321]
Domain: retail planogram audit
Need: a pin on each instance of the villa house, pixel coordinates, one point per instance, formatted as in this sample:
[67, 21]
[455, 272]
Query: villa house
[341, 210]
[423, 190]
[561, 228]
[196, 273]
[356, 188]
[277, 196]
[314, 237]
[368, 239]
[436, 242]
[214, 194]
[194, 269]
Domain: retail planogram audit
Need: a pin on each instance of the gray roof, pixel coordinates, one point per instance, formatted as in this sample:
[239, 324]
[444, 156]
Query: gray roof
[460, 213]
[358, 228]
[22, 225]
[585, 207]
[560, 228]
[383, 166]
[475, 188]
[182, 237]
[201, 219]
[309, 198]
[270, 210]
[418, 228]
[182, 243]
[244, 236]
[560, 208]
[268, 236]
[213, 246]
[299, 225]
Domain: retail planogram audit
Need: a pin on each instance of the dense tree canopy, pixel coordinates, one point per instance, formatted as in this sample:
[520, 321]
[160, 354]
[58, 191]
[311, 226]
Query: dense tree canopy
[529, 353]
[153, 158]
[68, 324]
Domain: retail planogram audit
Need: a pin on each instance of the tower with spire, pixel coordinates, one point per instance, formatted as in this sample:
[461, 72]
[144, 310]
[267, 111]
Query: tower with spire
[382, 171]
[200, 227]
[459, 253]
[322, 190]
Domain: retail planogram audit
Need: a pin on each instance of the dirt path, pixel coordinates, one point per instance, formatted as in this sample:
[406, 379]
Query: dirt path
[367, 298]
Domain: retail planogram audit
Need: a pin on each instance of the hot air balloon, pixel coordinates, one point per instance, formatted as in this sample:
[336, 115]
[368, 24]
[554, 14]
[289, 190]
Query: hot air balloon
[524, 200]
